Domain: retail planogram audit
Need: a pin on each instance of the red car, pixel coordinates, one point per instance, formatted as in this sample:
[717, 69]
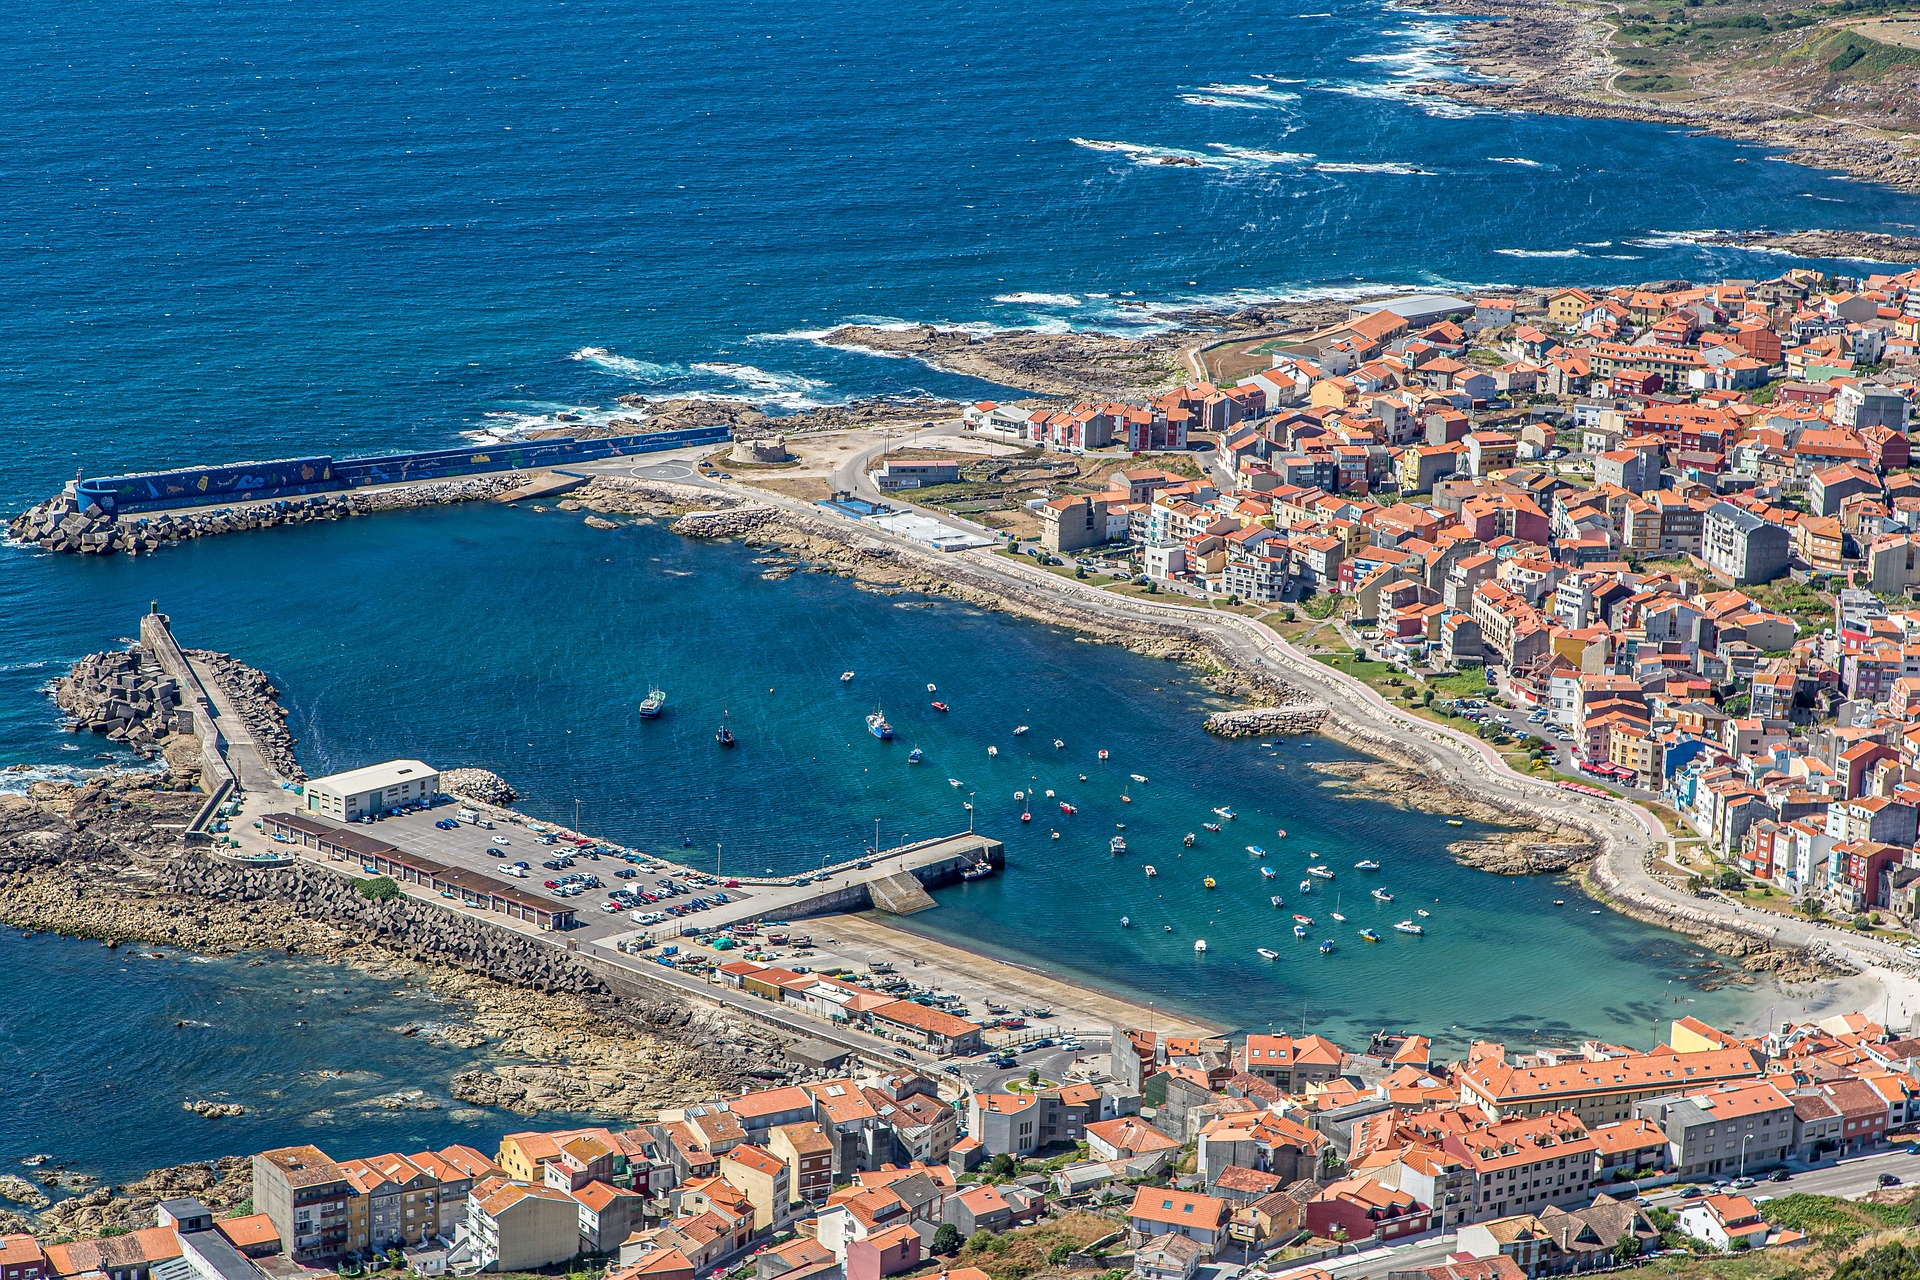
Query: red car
[553, 884]
[731, 884]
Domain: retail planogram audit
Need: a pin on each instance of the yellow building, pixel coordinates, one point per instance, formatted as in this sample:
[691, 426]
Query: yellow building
[763, 1179]
[1566, 306]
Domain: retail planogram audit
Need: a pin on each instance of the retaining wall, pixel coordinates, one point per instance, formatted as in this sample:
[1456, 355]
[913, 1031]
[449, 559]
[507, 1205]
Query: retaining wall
[216, 776]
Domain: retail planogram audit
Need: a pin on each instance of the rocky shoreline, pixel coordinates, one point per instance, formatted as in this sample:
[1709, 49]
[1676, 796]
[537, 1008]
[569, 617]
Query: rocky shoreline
[1554, 56]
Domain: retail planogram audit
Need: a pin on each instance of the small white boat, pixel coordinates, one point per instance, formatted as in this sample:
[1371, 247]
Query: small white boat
[1256, 851]
[1225, 812]
[1199, 944]
[1408, 926]
[1138, 777]
[1049, 793]
[953, 782]
[1117, 845]
[1366, 864]
[1306, 886]
[1125, 922]
[1382, 895]
[1057, 744]
[1266, 954]
[846, 677]
[1421, 912]
[993, 751]
[1337, 916]
[1056, 835]
[1299, 931]
[931, 689]
[1103, 753]
[1277, 900]
[1019, 729]
[1320, 873]
[1266, 873]
[1152, 870]
[1019, 795]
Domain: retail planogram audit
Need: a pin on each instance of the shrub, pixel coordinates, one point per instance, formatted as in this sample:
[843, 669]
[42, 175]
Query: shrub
[946, 1239]
[380, 889]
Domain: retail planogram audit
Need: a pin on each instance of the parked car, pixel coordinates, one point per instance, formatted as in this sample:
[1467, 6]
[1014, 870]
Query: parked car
[501, 840]
[1889, 1179]
[1741, 1184]
[1778, 1175]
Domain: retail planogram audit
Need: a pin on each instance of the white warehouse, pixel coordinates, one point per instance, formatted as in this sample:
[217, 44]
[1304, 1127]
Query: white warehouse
[349, 796]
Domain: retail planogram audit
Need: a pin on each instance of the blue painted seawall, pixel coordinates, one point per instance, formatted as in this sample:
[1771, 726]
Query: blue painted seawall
[292, 477]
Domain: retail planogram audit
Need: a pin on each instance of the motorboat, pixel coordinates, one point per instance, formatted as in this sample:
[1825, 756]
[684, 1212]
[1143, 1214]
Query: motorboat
[931, 689]
[1225, 812]
[939, 706]
[978, 871]
[1256, 851]
[1266, 953]
[1306, 886]
[1266, 873]
[993, 751]
[1049, 793]
[1019, 729]
[1282, 833]
[915, 756]
[1455, 822]
[1138, 777]
[1067, 808]
[1209, 882]
[1187, 840]
[1277, 900]
[723, 735]
[1152, 870]
[1421, 912]
[846, 677]
[1200, 944]
[1103, 753]
[1056, 835]
[1117, 845]
[653, 704]
[1299, 931]
[1026, 815]
[1326, 948]
[1057, 744]
[1320, 873]
[1126, 922]
[1369, 935]
[877, 726]
[1408, 926]
[1019, 795]
[1166, 928]
[1366, 864]
[1381, 895]
[1212, 826]
[1300, 919]
[953, 782]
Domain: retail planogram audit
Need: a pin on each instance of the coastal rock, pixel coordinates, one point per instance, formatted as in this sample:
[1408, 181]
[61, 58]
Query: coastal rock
[1259, 722]
[213, 1110]
[17, 1190]
[482, 785]
[224, 1186]
[1525, 853]
[595, 522]
[733, 522]
[123, 694]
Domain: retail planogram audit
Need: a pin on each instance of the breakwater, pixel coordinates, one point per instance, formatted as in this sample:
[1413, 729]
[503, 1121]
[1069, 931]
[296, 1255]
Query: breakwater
[146, 510]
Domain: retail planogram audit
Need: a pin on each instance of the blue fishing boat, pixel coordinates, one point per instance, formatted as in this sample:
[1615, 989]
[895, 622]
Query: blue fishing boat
[913, 756]
[1326, 948]
[877, 726]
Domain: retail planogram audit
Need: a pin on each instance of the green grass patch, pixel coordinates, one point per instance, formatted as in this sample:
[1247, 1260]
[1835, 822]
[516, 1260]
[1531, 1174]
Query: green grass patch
[1658, 83]
[1855, 55]
[1836, 1222]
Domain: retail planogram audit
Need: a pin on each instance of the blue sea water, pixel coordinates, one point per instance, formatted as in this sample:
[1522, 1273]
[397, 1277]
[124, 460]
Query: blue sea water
[253, 228]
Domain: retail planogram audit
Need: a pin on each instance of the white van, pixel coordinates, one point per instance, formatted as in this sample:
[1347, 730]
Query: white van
[466, 815]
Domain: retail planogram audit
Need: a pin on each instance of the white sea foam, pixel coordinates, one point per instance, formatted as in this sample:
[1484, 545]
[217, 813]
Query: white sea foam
[1540, 253]
[1393, 167]
[1140, 153]
[1520, 160]
[1041, 299]
[1253, 155]
[1439, 108]
[761, 379]
[1239, 90]
[17, 782]
[626, 366]
[1240, 104]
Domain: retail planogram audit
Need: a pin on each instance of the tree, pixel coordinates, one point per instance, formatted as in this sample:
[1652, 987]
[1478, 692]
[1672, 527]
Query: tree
[980, 1242]
[946, 1239]
[1001, 1166]
[1627, 1249]
[1033, 1076]
[380, 889]
[1059, 1254]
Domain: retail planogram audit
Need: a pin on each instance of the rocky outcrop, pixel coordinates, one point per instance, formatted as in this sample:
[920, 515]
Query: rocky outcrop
[1301, 716]
[61, 524]
[213, 1110]
[483, 785]
[732, 522]
[17, 1190]
[123, 694]
[1526, 853]
[258, 702]
[224, 1186]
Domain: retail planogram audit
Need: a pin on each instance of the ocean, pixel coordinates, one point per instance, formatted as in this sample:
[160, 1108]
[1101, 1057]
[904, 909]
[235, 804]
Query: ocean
[254, 229]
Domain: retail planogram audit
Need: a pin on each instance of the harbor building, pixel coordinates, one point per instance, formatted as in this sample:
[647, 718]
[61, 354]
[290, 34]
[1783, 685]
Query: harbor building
[358, 793]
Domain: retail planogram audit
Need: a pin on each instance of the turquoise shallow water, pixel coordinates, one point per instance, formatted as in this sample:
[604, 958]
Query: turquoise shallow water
[522, 642]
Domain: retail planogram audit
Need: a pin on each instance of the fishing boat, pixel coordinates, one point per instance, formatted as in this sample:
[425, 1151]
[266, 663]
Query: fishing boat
[877, 726]
[1266, 873]
[1056, 835]
[1103, 753]
[1200, 944]
[1277, 900]
[1455, 822]
[1152, 870]
[1300, 919]
[1326, 948]
[846, 677]
[1306, 886]
[653, 704]
[1126, 922]
[1370, 935]
[1138, 777]
[1067, 808]
[1117, 845]
[953, 782]
[930, 688]
[1166, 928]
[939, 706]
[1057, 744]
[914, 756]
[1187, 840]
[978, 871]
[723, 735]
[1422, 913]
[1366, 864]
[1408, 926]
[1559, 902]
[993, 751]
[1320, 873]
[1019, 729]
[1299, 931]
[1225, 812]
[1266, 953]
[1381, 895]
[1211, 826]
[1256, 851]
[1209, 882]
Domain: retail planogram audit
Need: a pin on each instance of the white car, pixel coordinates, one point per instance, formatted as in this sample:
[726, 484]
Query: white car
[501, 840]
[646, 917]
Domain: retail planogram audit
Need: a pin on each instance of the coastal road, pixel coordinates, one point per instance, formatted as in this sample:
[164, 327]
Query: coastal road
[1628, 834]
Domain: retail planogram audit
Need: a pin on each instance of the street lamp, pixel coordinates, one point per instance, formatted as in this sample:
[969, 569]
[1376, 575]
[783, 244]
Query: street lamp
[1743, 1155]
